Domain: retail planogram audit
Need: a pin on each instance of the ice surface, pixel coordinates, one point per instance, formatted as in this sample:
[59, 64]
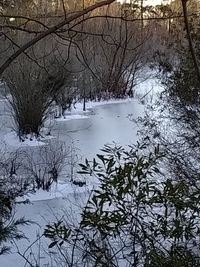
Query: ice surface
[102, 122]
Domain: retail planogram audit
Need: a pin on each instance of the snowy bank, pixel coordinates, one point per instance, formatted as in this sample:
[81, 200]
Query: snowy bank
[57, 190]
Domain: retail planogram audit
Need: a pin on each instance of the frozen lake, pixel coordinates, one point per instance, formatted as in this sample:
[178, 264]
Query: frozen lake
[104, 124]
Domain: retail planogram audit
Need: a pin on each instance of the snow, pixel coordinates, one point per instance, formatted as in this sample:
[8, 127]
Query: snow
[58, 190]
[77, 112]
[148, 90]
[90, 105]
[12, 139]
[72, 117]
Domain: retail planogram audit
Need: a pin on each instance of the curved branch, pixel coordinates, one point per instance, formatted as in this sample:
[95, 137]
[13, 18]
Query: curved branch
[50, 31]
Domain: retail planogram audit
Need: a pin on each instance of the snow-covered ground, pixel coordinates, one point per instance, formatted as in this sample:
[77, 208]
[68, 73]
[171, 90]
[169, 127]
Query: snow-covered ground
[12, 140]
[102, 122]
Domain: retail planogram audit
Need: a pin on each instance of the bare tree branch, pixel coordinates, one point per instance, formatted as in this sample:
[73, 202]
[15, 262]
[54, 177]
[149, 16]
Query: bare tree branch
[51, 30]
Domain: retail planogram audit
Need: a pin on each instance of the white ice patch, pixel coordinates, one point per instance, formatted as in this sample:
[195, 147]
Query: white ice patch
[77, 112]
[72, 117]
[92, 104]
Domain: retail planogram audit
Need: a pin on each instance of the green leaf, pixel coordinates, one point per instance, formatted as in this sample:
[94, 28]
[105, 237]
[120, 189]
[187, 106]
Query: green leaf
[61, 243]
[101, 157]
[53, 244]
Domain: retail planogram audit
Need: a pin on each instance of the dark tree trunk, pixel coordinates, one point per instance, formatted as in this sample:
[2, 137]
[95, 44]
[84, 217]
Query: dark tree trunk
[191, 47]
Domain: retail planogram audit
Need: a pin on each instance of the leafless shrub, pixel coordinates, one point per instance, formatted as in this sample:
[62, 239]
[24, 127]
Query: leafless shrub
[47, 163]
[32, 89]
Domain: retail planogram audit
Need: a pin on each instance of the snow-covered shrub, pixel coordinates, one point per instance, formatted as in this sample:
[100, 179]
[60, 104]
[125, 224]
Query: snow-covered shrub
[174, 119]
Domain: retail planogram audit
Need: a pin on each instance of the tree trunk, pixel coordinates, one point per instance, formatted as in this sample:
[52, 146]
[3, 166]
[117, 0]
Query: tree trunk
[142, 18]
[191, 47]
